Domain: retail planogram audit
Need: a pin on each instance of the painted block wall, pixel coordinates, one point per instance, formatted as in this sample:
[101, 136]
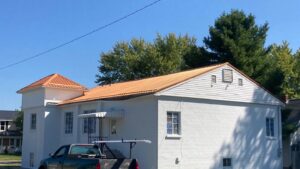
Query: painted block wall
[33, 140]
[45, 138]
[33, 98]
[212, 130]
[139, 122]
[57, 95]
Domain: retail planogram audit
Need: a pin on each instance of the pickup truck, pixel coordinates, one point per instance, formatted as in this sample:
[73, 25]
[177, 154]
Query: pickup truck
[86, 156]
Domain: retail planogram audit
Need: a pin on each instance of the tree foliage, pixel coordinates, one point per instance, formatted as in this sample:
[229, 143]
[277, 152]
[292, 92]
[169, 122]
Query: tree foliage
[139, 59]
[236, 38]
[281, 74]
[19, 120]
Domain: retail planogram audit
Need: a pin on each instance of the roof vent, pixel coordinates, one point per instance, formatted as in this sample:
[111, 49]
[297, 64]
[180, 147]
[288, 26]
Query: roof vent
[227, 76]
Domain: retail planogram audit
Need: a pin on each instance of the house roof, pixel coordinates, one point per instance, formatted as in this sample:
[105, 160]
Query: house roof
[140, 87]
[8, 114]
[53, 81]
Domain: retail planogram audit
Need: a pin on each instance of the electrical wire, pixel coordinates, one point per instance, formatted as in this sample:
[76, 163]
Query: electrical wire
[79, 37]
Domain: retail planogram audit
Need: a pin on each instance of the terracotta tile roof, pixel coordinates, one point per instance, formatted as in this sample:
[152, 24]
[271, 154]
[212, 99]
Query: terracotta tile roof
[140, 87]
[53, 81]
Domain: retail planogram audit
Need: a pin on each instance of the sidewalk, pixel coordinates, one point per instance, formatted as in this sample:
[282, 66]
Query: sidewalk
[10, 162]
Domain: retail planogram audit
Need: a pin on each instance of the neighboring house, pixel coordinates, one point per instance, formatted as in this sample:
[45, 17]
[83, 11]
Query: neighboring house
[211, 117]
[291, 145]
[10, 135]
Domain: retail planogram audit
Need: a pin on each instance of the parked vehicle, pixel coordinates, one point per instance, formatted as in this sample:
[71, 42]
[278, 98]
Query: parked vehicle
[91, 156]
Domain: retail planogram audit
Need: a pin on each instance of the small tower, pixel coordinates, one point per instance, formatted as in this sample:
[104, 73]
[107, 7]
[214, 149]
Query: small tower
[40, 126]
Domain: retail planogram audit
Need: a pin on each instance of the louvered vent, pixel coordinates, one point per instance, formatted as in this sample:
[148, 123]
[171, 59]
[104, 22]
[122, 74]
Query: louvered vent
[227, 76]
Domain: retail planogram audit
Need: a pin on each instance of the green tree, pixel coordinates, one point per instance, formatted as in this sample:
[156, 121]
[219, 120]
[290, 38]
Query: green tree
[236, 38]
[18, 121]
[139, 59]
[296, 69]
[281, 75]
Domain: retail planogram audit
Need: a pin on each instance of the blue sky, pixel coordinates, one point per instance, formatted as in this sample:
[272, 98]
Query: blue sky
[29, 27]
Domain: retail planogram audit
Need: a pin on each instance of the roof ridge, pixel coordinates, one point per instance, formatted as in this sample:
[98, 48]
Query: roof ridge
[78, 84]
[212, 65]
[49, 80]
[129, 90]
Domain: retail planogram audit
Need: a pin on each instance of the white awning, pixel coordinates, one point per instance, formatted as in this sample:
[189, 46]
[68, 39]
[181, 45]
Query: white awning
[111, 114]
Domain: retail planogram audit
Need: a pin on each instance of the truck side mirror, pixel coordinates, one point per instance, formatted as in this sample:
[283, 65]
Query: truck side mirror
[51, 154]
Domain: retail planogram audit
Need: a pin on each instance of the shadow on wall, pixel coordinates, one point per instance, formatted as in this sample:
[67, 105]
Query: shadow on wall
[248, 147]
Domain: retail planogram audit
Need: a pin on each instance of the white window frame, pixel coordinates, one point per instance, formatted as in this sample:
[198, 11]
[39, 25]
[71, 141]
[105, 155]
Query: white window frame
[173, 132]
[89, 120]
[270, 127]
[224, 73]
[4, 124]
[69, 118]
[33, 122]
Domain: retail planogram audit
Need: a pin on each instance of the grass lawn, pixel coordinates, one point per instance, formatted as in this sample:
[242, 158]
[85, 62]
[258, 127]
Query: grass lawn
[5, 164]
[10, 167]
[8, 157]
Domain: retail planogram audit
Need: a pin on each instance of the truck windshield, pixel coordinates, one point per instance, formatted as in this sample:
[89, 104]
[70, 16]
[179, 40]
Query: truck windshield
[85, 149]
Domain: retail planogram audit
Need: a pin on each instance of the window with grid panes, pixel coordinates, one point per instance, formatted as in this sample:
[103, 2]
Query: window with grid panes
[68, 122]
[173, 123]
[270, 127]
[89, 124]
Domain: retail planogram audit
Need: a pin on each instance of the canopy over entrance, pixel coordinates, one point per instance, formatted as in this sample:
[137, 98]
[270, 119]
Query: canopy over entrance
[90, 123]
[111, 114]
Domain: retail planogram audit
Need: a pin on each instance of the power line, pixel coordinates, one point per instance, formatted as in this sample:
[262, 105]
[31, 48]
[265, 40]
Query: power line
[79, 37]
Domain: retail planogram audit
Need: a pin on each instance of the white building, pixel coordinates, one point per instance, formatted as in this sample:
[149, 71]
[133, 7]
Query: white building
[10, 135]
[212, 118]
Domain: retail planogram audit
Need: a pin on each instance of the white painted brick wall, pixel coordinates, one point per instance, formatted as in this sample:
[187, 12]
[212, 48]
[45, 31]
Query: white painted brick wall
[215, 129]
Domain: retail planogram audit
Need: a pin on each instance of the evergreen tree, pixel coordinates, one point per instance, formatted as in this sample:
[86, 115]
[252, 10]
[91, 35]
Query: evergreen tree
[236, 38]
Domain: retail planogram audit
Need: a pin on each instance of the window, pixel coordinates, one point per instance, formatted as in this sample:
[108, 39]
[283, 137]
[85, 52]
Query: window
[31, 159]
[113, 127]
[61, 151]
[68, 122]
[89, 124]
[227, 163]
[2, 125]
[173, 123]
[33, 121]
[270, 127]
[240, 81]
[213, 79]
[85, 149]
[227, 76]
[0, 142]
